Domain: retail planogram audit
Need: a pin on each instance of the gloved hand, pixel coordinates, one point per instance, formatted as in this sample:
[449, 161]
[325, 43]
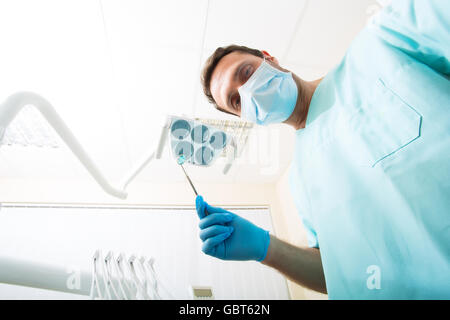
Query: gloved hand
[227, 236]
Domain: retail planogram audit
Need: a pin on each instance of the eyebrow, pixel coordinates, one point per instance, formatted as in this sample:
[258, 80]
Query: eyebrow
[238, 69]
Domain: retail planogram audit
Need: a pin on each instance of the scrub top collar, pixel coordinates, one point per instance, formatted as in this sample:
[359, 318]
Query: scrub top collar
[321, 100]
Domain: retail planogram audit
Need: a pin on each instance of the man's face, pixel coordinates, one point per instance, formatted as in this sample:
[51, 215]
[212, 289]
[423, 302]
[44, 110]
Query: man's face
[231, 72]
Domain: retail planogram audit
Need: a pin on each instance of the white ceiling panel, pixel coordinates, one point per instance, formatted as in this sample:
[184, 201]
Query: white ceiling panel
[262, 24]
[151, 85]
[306, 72]
[58, 49]
[154, 50]
[326, 30]
[155, 23]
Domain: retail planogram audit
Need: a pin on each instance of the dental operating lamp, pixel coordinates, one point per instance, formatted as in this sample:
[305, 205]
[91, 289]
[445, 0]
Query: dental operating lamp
[197, 143]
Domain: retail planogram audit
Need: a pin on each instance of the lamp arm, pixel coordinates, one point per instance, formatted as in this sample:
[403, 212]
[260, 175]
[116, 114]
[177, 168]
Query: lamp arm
[14, 103]
[148, 157]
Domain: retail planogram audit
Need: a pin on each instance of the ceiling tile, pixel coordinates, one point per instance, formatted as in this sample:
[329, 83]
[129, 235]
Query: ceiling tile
[262, 24]
[326, 31]
[305, 72]
[150, 86]
[157, 23]
[51, 53]
[155, 48]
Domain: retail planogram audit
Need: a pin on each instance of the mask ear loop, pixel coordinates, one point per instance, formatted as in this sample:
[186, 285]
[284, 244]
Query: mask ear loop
[265, 53]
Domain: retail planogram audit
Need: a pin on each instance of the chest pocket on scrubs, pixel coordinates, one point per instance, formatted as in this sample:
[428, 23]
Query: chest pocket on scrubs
[383, 126]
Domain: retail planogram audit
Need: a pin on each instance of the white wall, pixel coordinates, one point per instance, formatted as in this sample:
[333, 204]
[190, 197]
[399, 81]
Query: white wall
[285, 220]
[81, 191]
[65, 238]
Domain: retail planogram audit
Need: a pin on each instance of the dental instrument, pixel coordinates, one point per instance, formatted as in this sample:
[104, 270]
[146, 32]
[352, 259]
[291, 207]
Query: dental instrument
[180, 161]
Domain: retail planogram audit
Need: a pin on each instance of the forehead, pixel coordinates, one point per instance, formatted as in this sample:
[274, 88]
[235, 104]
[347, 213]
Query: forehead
[223, 72]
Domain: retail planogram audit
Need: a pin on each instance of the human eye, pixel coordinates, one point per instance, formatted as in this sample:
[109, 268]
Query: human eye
[236, 102]
[246, 73]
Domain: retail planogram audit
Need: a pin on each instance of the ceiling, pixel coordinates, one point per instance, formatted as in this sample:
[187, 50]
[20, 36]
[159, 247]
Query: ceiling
[114, 69]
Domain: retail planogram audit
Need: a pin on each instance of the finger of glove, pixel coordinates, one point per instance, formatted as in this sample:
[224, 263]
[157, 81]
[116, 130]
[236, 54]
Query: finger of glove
[210, 209]
[214, 231]
[210, 244]
[200, 205]
[215, 218]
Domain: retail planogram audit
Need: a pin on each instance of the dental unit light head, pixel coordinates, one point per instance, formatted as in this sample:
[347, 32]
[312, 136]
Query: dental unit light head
[197, 143]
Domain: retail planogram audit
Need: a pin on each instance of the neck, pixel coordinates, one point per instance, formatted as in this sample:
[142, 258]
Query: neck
[306, 89]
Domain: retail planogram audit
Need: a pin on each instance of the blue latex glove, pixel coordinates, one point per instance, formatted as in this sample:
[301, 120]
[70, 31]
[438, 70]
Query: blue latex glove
[227, 236]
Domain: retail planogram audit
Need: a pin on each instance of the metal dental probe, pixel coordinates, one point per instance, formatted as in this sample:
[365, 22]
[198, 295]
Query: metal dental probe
[180, 162]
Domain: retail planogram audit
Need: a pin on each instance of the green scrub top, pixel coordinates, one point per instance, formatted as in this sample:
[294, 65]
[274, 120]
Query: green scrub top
[371, 169]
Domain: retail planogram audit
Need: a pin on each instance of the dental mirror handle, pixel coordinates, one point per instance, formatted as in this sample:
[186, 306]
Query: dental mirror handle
[190, 182]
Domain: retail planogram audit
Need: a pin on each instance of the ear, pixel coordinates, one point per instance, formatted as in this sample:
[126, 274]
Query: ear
[269, 57]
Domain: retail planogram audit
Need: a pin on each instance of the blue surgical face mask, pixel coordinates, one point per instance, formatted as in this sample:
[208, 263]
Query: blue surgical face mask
[268, 96]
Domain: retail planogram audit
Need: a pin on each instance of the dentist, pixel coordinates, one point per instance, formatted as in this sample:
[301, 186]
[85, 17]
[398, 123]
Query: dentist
[371, 169]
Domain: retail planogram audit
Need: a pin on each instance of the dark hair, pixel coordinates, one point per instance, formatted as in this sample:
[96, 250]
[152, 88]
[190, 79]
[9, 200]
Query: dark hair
[212, 62]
